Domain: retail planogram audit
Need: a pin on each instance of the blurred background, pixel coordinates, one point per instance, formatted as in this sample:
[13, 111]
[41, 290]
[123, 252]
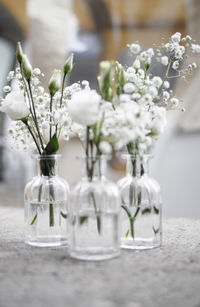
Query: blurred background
[96, 30]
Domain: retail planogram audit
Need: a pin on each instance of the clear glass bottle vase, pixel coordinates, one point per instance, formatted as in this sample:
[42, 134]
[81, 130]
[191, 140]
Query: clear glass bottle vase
[46, 198]
[141, 224]
[94, 214]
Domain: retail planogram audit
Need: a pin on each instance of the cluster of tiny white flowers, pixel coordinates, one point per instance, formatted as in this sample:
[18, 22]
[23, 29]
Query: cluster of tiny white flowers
[59, 118]
[140, 114]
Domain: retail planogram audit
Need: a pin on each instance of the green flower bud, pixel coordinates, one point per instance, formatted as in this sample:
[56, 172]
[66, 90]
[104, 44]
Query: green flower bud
[19, 53]
[105, 78]
[55, 82]
[26, 68]
[68, 64]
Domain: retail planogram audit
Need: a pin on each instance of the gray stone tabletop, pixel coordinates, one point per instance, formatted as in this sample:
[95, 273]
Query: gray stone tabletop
[39, 277]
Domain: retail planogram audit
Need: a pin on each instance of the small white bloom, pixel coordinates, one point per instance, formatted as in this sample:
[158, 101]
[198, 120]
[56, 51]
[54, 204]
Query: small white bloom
[176, 37]
[123, 98]
[136, 63]
[84, 107]
[175, 65]
[174, 102]
[129, 88]
[164, 60]
[166, 95]
[15, 106]
[150, 52]
[157, 81]
[36, 71]
[11, 75]
[194, 65]
[166, 84]
[105, 148]
[153, 91]
[135, 48]
[7, 89]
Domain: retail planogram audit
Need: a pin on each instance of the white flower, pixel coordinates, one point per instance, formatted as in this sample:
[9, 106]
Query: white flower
[84, 107]
[175, 65]
[150, 52]
[129, 88]
[164, 60]
[166, 95]
[123, 98]
[36, 71]
[136, 63]
[194, 65]
[176, 37]
[153, 91]
[105, 148]
[135, 48]
[195, 48]
[15, 106]
[166, 84]
[174, 102]
[7, 89]
[157, 81]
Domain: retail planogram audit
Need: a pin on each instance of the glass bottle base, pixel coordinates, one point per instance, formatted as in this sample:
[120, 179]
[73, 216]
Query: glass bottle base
[46, 241]
[139, 243]
[94, 254]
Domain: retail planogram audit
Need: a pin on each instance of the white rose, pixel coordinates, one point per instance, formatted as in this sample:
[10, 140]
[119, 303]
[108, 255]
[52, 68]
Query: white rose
[15, 106]
[84, 107]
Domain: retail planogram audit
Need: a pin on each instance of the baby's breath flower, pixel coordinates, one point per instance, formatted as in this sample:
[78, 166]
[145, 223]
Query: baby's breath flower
[164, 60]
[134, 48]
[166, 84]
[157, 81]
[7, 89]
[175, 65]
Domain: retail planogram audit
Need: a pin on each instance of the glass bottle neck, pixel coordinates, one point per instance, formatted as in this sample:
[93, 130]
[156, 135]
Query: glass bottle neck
[137, 166]
[47, 165]
[93, 167]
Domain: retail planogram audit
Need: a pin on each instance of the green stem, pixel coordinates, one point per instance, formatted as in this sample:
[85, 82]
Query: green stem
[35, 116]
[50, 131]
[166, 74]
[39, 199]
[33, 136]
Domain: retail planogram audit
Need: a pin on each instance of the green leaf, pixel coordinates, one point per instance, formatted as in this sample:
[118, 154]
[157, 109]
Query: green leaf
[52, 147]
[156, 210]
[155, 230]
[64, 215]
[34, 219]
[146, 210]
[83, 219]
[127, 211]
[127, 233]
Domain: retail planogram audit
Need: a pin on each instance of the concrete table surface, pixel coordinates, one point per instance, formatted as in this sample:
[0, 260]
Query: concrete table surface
[39, 277]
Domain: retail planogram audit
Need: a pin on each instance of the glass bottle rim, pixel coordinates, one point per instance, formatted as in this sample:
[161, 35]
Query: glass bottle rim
[46, 157]
[125, 156]
[98, 157]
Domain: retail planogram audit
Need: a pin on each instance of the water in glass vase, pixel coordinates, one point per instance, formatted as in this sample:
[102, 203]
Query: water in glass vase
[45, 224]
[141, 227]
[94, 236]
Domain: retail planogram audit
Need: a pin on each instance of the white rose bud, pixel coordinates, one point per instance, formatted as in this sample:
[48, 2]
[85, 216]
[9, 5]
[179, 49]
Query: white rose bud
[19, 53]
[136, 63]
[84, 107]
[55, 82]
[15, 106]
[26, 68]
[68, 64]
